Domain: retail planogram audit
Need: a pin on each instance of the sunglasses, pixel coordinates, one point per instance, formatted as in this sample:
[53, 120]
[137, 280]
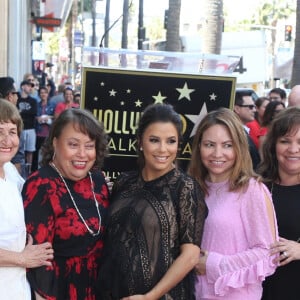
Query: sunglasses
[250, 106]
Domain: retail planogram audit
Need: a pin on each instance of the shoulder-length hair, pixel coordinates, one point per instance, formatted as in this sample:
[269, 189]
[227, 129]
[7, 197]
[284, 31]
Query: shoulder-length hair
[286, 122]
[258, 103]
[242, 170]
[83, 121]
[270, 112]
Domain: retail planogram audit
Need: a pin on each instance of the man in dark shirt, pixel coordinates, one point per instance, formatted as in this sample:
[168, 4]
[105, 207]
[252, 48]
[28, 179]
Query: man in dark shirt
[245, 108]
[28, 110]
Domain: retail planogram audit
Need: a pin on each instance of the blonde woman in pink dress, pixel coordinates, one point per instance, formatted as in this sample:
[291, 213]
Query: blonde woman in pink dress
[241, 223]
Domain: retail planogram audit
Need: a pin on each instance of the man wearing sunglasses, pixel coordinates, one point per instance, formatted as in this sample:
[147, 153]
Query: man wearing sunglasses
[245, 108]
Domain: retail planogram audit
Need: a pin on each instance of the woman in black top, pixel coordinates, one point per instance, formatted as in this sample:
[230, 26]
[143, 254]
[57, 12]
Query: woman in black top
[155, 221]
[281, 172]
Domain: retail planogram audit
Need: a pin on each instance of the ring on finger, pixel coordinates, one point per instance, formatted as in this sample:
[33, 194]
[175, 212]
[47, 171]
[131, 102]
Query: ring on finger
[284, 254]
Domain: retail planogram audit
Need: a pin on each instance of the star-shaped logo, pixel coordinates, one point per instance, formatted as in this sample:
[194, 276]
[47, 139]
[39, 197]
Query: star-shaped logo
[159, 98]
[212, 97]
[95, 98]
[112, 93]
[185, 92]
[128, 91]
[196, 119]
[138, 103]
[102, 83]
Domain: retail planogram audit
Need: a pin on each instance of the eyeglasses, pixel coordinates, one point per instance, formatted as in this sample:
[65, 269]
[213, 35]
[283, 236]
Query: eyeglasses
[274, 98]
[250, 106]
[14, 92]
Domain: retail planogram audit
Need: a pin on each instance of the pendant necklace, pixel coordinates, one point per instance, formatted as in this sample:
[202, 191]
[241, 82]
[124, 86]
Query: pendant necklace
[75, 205]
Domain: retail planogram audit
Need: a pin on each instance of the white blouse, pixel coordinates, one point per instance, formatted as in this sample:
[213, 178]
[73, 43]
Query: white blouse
[13, 283]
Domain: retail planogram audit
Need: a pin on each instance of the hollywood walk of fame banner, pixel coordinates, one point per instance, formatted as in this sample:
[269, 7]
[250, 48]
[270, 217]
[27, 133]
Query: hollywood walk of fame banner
[118, 97]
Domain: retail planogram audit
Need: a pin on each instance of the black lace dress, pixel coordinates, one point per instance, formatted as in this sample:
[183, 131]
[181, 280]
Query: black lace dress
[147, 224]
[50, 216]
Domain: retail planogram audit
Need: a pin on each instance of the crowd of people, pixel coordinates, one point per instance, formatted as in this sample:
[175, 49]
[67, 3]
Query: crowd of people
[38, 105]
[225, 228]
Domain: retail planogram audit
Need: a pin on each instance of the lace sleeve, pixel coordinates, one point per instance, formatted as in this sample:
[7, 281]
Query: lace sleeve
[193, 212]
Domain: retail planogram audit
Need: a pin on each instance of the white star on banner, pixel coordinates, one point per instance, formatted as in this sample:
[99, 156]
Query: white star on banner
[102, 83]
[159, 98]
[196, 119]
[138, 103]
[112, 93]
[185, 92]
[212, 97]
[128, 91]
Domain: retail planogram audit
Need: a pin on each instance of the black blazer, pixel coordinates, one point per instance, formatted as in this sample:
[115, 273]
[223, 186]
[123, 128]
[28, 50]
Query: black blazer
[253, 152]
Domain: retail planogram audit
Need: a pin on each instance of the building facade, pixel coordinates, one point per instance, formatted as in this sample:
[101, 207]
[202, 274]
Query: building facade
[17, 31]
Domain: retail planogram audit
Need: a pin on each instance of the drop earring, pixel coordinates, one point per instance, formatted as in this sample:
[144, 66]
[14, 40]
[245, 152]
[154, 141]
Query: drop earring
[141, 148]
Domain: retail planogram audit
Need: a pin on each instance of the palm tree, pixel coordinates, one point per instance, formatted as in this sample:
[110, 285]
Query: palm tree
[213, 26]
[173, 42]
[212, 30]
[296, 63]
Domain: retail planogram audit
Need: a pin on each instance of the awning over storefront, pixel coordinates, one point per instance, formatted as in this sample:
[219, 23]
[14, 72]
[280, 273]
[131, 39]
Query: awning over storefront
[57, 9]
[60, 9]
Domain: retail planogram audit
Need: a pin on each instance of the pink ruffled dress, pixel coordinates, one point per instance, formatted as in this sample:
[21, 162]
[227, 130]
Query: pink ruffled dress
[237, 235]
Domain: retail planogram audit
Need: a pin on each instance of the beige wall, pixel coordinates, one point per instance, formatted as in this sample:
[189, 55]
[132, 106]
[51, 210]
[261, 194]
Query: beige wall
[3, 36]
[19, 39]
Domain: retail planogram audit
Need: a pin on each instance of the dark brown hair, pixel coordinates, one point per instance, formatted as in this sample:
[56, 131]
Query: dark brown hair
[157, 113]
[85, 122]
[286, 122]
[270, 112]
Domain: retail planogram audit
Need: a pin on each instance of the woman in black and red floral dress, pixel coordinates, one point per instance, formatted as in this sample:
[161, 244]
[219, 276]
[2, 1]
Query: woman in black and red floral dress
[65, 203]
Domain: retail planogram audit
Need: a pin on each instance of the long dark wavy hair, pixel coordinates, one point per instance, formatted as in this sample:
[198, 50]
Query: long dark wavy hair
[258, 103]
[152, 114]
[270, 112]
[83, 121]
